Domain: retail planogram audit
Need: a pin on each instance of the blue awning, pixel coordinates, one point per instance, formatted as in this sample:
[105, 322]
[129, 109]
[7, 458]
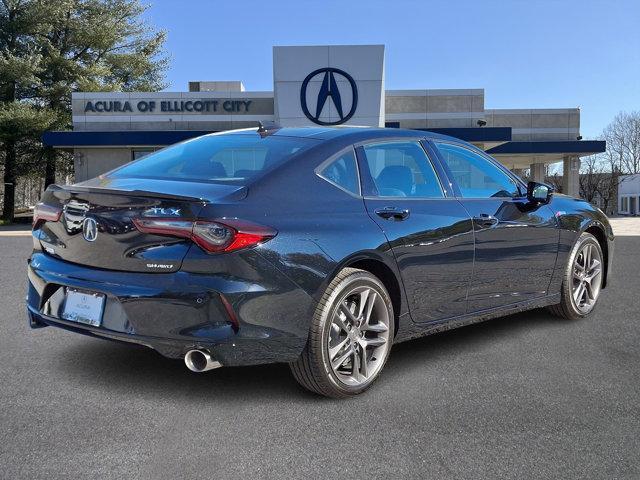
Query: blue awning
[576, 147]
[475, 134]
[470, 134]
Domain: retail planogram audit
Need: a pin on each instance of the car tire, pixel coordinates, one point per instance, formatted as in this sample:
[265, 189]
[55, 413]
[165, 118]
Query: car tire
[353, 322]
[576, 301]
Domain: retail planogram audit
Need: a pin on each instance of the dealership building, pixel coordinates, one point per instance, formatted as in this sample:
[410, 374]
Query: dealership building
[319, 85]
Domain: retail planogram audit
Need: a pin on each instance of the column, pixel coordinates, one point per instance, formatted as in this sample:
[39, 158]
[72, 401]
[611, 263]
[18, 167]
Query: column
[537, 172]
[571, 176]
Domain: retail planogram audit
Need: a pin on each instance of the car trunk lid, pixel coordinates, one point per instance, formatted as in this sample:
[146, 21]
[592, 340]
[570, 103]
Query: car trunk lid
[96, 223]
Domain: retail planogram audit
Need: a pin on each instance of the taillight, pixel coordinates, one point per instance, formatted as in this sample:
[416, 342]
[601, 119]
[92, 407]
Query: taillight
[223, 235]
[45, 213]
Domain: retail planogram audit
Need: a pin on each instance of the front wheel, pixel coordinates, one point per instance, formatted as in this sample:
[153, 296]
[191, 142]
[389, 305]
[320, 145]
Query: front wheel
[582, 279]
[350, 337]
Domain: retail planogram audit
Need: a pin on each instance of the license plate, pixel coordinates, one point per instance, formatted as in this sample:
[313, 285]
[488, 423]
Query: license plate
[83, 307]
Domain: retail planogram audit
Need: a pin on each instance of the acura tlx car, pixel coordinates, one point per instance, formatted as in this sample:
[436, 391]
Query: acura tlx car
[319, 247]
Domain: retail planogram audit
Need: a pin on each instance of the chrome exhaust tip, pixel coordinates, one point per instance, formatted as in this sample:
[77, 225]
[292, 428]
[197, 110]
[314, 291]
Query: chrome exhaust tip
[200, 361]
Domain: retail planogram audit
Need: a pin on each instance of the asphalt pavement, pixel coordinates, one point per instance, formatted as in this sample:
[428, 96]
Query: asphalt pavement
[526, 396]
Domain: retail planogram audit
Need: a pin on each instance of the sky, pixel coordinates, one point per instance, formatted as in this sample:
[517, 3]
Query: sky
[525, 54]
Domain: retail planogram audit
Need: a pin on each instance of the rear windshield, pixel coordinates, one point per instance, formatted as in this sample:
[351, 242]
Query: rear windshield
[216, 158]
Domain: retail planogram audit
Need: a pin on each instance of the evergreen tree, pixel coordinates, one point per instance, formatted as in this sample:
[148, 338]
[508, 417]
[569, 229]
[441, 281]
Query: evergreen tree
[50, 49]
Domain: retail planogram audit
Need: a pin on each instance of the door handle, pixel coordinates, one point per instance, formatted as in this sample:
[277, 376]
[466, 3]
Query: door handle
[393, 213]
[485, 220]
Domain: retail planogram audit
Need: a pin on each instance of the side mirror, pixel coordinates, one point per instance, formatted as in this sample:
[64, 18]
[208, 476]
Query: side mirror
[539, 192]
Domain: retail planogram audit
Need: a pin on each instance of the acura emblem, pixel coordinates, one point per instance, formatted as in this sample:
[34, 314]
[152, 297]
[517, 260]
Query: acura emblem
[89, 229]
[329, 88]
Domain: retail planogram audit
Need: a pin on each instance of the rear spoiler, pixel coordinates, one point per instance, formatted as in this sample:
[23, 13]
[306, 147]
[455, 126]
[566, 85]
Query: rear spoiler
[65, 192]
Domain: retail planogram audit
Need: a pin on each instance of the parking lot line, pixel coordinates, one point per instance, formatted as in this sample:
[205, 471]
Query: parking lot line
[15, 233]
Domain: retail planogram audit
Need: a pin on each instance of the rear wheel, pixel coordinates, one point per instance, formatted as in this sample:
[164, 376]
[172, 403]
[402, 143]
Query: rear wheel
[582, 279]
[350, 337]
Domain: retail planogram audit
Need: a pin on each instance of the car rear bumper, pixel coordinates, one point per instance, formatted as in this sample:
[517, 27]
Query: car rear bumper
[261, 318]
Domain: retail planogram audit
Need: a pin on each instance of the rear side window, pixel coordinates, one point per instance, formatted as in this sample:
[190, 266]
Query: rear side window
[476, 176]
[343, 172]
[402, 169]
[216, 158]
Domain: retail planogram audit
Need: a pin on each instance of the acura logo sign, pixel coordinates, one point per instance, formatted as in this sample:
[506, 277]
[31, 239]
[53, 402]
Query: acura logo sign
[330, 78]
[89, 229]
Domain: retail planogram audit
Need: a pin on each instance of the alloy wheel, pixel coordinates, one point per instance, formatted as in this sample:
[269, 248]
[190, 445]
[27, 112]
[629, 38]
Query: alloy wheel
[358, 339]
[587, 277]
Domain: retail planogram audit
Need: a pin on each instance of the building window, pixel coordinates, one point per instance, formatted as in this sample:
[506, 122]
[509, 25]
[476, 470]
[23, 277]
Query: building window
[138, 153]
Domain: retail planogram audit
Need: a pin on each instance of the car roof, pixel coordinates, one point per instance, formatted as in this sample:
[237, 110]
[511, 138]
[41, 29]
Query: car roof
[344, 132]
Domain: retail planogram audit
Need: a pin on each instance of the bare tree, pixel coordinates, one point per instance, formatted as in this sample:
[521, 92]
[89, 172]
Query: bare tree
[591, 173]
[599, 181]
[600, 173]
[553, 178]
[623, 143]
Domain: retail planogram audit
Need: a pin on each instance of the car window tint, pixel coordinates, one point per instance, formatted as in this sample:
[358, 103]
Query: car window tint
[476, 176]
[402, 169]
[343, 172]
[216, 158]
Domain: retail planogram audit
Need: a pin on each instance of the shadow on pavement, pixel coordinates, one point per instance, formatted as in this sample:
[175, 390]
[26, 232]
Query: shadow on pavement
[473, 336]
[108, 365]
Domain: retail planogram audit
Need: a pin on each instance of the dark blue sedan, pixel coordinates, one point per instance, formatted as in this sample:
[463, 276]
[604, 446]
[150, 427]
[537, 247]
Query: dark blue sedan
[320, 247]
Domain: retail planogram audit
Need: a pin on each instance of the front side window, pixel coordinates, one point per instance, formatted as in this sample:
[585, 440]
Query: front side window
[343, 172]
[402, 169]
[216, 158]
[476, 176]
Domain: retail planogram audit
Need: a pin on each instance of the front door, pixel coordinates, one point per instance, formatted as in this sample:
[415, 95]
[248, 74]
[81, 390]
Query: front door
[516, 241]
[431, 234]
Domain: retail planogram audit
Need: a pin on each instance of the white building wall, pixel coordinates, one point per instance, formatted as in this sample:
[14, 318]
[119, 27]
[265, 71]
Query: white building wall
[442, 108]
[91, 162]
[629, 194]
[536, 124]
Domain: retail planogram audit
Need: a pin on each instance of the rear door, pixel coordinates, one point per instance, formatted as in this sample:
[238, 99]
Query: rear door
[516, 241]
[429, 231]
